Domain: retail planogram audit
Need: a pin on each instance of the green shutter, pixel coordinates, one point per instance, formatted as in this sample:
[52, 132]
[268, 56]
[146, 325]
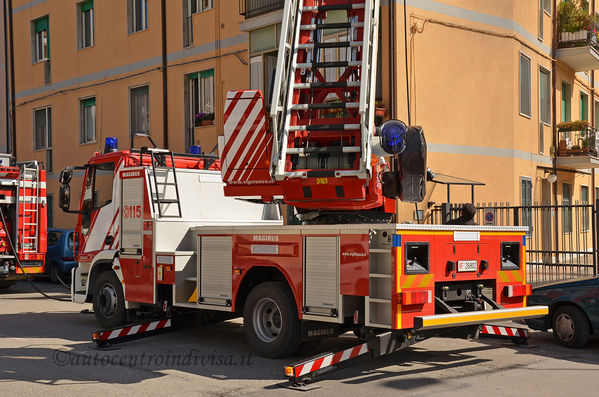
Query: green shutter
[87, 5]
[207, 73]
[193, 76]
[89, 102]
[41, 24]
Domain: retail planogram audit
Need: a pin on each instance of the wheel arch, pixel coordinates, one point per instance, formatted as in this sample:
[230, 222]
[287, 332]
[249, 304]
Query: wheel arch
[258, 275]
[99, 265]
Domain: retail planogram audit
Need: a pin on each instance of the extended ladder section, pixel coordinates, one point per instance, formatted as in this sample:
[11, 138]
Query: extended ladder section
[323, 97]
[164, 187]
[28, 207]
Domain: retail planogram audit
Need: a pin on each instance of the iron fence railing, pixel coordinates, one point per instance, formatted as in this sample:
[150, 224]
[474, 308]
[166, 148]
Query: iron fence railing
[252, 8]
[561, 243]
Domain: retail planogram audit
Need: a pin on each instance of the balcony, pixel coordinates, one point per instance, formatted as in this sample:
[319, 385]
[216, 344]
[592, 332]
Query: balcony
[578, 145]
[577, 44]
[253, 8]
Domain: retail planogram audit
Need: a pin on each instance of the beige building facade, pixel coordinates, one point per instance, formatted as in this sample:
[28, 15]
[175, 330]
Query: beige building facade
[488, 81]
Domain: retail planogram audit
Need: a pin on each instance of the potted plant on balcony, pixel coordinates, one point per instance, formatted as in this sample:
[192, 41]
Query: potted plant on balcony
[204, 119]
[574, 22]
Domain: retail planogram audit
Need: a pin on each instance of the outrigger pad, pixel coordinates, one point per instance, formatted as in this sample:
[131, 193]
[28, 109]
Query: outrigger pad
[413, 167]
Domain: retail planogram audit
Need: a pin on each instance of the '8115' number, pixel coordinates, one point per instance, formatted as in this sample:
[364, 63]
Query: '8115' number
[131, 211]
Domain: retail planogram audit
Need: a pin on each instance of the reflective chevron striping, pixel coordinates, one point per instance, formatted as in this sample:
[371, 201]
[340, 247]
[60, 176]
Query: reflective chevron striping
[325, 361]
[134, 329]
[504, 331]
[418, 280]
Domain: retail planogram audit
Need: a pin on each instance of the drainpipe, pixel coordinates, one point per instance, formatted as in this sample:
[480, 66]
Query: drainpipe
[554, 121]
[164, 77]
[6, 75]
[11, 114]
[592, 198]
[392, 60]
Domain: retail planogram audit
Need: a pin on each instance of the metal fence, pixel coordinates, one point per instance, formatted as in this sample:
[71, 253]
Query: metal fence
[561, 243]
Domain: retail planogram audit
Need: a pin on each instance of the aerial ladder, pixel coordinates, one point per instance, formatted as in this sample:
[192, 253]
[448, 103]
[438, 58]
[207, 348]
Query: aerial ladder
[322, 150]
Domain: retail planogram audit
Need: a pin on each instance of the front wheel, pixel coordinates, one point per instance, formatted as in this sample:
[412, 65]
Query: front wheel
[270, 320]
[109, 300]
[570, 326]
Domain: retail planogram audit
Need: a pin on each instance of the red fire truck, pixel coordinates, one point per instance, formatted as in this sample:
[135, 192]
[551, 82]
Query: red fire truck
[22, 221]
[160, 231]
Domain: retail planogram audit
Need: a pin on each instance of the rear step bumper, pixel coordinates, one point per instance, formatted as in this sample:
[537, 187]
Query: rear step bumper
[479, 317]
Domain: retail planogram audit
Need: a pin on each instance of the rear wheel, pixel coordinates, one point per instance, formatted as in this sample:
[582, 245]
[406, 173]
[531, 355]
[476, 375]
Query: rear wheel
[109, 300]
[570, 326]
[271, 324]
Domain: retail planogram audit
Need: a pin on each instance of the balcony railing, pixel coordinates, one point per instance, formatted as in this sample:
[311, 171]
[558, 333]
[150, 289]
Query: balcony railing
[578, 146]
[253, 8]
[578, 143]
[578, 45]
[580, 38]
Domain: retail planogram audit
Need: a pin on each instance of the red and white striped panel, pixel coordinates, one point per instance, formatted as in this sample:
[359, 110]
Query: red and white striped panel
[245, 155]
[329, 359]
[504, 331]
[134, 329]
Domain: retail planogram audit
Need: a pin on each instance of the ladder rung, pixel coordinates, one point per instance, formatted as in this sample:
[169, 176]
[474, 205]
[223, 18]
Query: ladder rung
[329, 84]
[324, 149]
[329, 105]
[324, 127]
[338, 25]
[29, 224]
[166, 184]
[332, 64]
[166, 201]
[332, 7]
[338, 44]
[30, 210]
[162, 168]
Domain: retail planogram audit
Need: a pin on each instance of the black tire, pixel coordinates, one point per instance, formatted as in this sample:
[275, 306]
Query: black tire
[109, 301]
[270, 320]
[54, 272]
[570, 326]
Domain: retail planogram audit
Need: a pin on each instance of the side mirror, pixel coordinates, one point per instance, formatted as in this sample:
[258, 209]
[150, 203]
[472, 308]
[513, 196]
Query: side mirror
[65, 176]
[64, 196]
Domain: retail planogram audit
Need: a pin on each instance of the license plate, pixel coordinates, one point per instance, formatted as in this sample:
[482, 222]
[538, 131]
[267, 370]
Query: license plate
[467, 266]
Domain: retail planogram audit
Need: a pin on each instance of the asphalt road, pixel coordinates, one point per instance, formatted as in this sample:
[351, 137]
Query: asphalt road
[45, 350]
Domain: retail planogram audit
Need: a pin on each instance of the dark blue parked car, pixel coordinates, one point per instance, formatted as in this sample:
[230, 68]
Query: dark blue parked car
[573, 310]
[60, 259]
